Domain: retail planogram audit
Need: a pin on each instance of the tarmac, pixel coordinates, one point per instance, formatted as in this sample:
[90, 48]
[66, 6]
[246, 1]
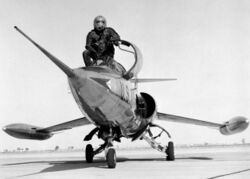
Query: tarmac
[199, 162]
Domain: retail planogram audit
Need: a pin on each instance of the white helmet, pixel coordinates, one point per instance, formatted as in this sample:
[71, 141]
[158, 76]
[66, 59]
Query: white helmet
[100, 23]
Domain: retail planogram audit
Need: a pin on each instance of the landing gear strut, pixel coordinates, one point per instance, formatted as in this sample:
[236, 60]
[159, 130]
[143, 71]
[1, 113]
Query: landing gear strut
[151, 139]
[108, 135]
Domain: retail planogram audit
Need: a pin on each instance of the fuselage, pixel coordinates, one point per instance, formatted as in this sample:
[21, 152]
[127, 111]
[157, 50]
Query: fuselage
[106, 99]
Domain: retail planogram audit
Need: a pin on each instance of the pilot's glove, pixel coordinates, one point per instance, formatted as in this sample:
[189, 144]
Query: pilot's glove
[116, 42]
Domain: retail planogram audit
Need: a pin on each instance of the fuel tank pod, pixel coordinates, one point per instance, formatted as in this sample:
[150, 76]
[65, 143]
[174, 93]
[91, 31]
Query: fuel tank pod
[26, 131]
[235, 125]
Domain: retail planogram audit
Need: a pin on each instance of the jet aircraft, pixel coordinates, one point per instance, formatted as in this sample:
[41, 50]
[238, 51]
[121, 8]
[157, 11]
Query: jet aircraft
[109, 101]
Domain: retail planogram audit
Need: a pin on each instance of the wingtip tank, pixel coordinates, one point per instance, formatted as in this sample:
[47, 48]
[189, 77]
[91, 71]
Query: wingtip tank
[26, 131]
[235, 125]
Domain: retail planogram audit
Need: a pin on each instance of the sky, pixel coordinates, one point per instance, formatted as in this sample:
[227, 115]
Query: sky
[203, 43]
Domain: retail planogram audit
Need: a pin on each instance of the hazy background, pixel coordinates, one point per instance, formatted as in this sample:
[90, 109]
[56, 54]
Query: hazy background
[203, 43]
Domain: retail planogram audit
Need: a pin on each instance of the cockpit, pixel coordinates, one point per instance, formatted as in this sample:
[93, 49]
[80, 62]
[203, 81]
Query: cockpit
[116, 67]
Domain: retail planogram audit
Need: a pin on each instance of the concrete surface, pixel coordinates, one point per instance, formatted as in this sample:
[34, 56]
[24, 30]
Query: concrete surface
[218, 162]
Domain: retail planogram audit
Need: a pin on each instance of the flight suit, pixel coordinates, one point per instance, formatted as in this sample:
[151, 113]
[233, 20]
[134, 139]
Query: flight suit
[99, 46]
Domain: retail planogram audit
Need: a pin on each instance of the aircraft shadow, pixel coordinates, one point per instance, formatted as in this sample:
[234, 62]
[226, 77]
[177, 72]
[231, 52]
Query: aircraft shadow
[194, 158]
[100, 160]
[163, 159]
[57, 166]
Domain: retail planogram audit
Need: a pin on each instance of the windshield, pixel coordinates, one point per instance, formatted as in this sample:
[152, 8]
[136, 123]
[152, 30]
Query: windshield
[135, 69]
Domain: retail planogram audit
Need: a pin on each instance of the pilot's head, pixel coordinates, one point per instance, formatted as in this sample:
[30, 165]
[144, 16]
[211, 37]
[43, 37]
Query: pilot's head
[100, 23]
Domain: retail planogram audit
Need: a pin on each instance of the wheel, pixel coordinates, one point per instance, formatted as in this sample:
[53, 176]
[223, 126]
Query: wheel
[170, 152]
[111, 158]
[89, 153]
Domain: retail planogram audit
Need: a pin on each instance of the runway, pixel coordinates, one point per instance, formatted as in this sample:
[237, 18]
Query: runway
[201, 162]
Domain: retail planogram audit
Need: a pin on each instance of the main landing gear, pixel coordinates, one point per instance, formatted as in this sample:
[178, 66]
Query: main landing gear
[89, 153]
[151, 139]
[108, 135]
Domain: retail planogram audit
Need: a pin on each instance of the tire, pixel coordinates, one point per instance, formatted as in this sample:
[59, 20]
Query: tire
[170, 152]
[111, 158]
[89, 153]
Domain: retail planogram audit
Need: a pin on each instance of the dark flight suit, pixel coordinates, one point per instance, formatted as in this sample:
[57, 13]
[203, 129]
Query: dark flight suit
[99, 46]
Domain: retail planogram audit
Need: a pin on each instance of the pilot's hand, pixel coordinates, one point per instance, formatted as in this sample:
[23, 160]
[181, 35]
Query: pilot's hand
[116, 43]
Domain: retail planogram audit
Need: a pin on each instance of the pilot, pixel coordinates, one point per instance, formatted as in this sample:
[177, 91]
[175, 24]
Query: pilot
[100, 44]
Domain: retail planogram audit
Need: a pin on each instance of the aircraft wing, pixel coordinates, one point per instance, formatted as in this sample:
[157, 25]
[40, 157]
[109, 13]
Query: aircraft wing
[235, 125]
[174, 118]
[66, 125]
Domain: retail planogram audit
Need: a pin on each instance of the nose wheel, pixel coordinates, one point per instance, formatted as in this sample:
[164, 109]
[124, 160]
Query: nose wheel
[111, 157]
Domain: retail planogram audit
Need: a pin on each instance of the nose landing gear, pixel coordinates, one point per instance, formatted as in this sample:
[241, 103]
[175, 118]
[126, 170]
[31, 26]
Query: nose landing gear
[110, 153]
[108, 136]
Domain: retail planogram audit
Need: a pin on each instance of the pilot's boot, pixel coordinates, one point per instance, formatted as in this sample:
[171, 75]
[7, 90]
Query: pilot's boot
[86, 58]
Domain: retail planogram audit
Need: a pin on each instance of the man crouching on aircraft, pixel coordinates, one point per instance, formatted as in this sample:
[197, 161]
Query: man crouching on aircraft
[99, 44]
